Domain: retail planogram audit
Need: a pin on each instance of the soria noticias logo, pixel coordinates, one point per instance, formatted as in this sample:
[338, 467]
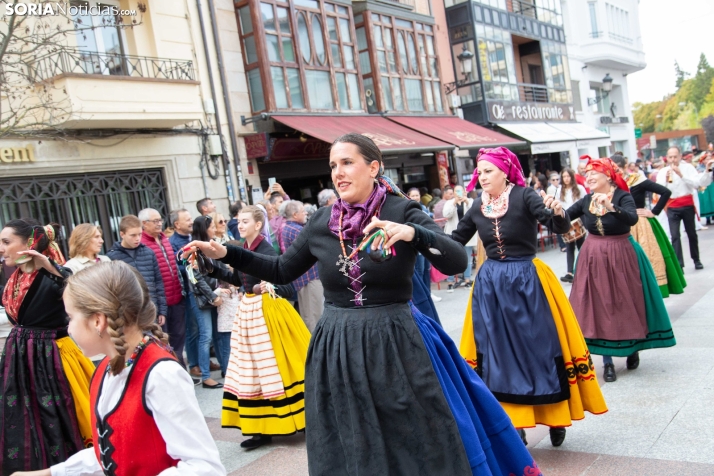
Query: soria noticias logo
[64, 8]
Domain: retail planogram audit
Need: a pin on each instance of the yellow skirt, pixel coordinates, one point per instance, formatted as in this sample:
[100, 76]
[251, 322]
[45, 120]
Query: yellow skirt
[282, 415]
[79, 370]
[585, 393]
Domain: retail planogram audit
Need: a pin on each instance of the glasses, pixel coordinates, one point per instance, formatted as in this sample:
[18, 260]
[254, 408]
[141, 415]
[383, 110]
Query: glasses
[221, 222]
[158, 221]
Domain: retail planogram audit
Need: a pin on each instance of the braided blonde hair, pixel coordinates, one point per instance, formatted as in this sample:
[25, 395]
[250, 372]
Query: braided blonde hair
[118, 291]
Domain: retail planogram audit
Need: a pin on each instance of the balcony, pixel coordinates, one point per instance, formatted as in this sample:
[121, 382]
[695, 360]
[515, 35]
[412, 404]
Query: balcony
[524, 92]
[611, 51]
[121, 91]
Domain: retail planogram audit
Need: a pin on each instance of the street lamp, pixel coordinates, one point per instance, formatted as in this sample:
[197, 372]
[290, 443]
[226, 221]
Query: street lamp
[606, 88]
[466, 64]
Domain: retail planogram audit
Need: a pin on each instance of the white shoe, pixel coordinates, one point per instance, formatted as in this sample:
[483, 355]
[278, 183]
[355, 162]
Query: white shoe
[435, 298]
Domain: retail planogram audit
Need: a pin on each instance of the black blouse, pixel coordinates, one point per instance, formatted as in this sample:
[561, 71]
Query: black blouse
[613, 223]
[43, 308]
[385, 283]
[639, 191]
[239, 278]
[516, 232]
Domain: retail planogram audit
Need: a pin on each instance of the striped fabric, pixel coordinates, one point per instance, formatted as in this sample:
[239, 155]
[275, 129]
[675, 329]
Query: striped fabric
[252, 370]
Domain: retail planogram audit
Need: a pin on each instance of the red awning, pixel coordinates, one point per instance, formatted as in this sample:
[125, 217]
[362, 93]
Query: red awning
[389, 136]
[463, 134]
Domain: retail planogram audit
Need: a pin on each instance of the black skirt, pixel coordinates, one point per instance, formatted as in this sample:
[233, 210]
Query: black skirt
[373, 403]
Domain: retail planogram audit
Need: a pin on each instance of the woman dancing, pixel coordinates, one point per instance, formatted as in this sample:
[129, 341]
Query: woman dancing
[520, 333]
[615, 293]
[45, 416]
[386, 391]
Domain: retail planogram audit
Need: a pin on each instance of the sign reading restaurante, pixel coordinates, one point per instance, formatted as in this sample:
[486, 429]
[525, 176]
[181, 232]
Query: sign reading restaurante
[10, 155]
[511, 111]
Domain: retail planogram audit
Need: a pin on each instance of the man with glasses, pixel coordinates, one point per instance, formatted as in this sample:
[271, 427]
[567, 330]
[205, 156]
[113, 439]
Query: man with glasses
[553, 183]
[153, 237]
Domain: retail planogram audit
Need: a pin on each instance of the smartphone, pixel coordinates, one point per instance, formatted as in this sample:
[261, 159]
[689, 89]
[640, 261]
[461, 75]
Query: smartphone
[271, 182]
[459, 193]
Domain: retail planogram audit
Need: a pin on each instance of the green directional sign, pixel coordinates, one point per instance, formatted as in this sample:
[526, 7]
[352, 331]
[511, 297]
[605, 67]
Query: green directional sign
[638, 133]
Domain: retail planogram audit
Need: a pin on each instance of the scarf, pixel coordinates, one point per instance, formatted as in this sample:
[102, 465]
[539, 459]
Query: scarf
[495, 207]
[609, 169]
[599, 210]
[15, 291]
[505, 160]
[356, 217]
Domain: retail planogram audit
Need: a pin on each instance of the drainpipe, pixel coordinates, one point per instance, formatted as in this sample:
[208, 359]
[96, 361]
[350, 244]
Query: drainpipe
[227, 102]
[224, 157]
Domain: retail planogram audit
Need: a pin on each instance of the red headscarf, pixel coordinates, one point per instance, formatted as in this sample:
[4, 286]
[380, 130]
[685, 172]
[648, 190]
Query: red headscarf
[505, 160]
[607, 167]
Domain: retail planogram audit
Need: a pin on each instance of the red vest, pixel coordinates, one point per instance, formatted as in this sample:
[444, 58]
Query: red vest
[169, 269]
[128, 442]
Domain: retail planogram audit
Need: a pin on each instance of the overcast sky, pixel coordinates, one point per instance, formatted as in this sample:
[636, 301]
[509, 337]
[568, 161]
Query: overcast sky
[671, 30]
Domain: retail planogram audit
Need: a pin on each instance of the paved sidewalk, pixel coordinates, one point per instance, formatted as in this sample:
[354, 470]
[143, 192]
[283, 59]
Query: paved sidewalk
[659, 420]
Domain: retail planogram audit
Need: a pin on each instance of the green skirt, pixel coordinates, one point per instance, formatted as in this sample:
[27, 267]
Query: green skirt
[675, 276]
[659, 329]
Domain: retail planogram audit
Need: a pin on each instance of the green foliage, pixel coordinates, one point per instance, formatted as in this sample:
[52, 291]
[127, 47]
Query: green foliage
[679, 75]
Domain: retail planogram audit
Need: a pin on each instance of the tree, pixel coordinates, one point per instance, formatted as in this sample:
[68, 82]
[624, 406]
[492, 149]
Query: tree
[30, 44]
[679, 74]
[708, 126]
[702, 82]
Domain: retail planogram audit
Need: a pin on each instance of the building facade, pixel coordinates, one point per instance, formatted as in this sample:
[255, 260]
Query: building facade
[513, 74]
[143, 121]
[604, 42]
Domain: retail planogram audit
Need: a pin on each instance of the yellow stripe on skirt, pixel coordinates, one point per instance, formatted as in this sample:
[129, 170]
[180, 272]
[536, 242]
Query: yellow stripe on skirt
[282, 415]
[585, 393]
[79, 370]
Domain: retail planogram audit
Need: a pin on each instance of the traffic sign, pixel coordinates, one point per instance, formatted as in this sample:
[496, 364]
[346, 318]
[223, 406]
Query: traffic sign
[638, 133]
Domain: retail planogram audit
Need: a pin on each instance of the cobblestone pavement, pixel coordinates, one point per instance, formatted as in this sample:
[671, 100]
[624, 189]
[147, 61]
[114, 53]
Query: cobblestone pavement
[659, 420]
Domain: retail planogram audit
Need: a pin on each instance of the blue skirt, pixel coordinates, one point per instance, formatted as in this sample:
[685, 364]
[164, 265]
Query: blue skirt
[519, 356]
[492, 444]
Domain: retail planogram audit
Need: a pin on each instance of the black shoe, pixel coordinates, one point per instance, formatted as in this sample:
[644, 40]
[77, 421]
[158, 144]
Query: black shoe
[609, 374]
[196, 381]
[698, 265]
[633, 361]
[557, 436]
[568, 278]
[217, 385]
[256, 442]
[522, 434]
[450, 289]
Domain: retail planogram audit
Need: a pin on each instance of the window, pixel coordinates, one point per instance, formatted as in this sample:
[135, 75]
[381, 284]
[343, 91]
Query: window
[593, 20]
[309, 56]
[618, 23]
[102, 49]
[405, 68]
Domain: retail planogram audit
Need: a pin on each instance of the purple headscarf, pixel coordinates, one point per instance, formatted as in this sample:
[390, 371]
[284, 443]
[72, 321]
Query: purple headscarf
[505, 160]
[266, 228]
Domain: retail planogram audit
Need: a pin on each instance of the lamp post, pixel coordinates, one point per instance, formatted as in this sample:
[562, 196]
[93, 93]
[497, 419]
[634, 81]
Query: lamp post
[466, 64]
[606, 88]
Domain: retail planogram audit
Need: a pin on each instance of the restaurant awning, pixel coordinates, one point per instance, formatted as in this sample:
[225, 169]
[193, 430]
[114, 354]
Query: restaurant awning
[542, 137]
[389, 136]
[461, 133]
[587, 136]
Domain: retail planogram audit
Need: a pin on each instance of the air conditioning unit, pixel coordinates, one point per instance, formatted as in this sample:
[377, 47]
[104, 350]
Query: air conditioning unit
[214, 145]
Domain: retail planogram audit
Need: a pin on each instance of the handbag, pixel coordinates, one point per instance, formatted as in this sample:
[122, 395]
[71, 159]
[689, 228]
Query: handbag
[227, 311]
[203, 301]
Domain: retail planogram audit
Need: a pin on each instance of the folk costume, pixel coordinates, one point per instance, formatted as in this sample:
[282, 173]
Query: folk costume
[265, 384]
[386, 390]
[653, 239]
[615, 294]
[145, 421]
[520, 333]
[44, 377]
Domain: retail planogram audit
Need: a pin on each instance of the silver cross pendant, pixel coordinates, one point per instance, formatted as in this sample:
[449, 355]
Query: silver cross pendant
[345, 264]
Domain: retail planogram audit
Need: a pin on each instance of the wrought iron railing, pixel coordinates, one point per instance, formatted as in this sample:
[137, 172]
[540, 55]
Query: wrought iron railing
[527, 9]
[596, 34]
[532, 9]
[527, 92]
[620, 38]
[87, 62]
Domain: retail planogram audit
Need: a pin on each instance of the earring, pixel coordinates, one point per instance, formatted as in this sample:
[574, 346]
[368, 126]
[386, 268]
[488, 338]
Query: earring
[99, 333]
[375, 180]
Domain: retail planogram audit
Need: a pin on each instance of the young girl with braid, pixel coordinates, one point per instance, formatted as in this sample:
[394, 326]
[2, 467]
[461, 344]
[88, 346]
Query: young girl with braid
[145, 416]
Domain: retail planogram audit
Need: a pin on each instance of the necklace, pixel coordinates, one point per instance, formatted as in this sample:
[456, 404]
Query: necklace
[137, 350]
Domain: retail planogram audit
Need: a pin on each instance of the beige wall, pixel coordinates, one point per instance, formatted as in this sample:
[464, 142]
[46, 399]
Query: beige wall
[441, 34]
[178, 156]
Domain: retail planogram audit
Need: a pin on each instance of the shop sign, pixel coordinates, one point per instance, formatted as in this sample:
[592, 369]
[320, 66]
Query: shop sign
[256, 145]
[615, 120]
[13, 155]
[296, 149]
[460, 33]
[514, 111]
[443, 164]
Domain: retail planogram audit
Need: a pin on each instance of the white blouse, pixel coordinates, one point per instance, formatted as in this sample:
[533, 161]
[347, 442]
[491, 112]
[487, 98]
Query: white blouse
[568, 201]
[171, 397]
